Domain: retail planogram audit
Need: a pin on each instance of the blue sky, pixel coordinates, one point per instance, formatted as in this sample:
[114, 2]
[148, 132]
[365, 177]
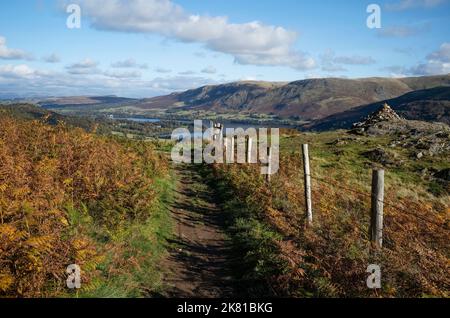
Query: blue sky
[142, 48]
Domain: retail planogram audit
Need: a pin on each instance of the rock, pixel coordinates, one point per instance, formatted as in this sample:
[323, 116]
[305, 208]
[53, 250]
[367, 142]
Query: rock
[379, 155]
[385, 113]
[394, 144]
[422, 139]
[444, 135]
[443, 174]
[343, 141]
[424, 172]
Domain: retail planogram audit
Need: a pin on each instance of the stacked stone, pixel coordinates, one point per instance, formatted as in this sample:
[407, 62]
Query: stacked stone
[385, 113]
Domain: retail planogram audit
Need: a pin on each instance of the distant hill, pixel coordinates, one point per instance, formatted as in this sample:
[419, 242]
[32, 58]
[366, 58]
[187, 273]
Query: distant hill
[32, 112]
[84, 102]
[427, 104]
[29, 112]
[310, 99]
[320, 103]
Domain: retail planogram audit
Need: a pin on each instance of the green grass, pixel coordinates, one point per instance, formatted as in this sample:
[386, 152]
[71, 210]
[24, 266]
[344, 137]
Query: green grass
[145, 243]
[255, 237]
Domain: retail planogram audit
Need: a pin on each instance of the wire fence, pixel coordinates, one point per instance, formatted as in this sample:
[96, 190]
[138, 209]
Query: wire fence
[389, 242]
[396, 207]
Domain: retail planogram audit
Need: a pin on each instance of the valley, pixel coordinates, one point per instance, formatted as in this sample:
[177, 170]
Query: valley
[219, 157]
[140, 226]
[315, 104]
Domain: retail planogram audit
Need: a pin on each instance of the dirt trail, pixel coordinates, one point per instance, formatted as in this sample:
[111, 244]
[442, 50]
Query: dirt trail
[198, 264]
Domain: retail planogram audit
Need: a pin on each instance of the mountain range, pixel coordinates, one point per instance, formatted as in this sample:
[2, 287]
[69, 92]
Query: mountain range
[319, 103]
[427, 105]
[310, 99]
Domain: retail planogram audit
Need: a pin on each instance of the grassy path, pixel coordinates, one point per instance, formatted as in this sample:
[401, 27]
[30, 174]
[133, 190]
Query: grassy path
[199, 261]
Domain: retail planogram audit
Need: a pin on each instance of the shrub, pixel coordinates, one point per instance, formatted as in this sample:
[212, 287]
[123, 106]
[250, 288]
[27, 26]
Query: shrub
[53, 182]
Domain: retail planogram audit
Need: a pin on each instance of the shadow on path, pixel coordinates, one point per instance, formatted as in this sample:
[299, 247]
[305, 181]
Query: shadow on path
[199, 263]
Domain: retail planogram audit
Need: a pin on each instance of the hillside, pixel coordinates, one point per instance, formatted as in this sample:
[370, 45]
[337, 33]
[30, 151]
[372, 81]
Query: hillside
[427, 104]
[72, 197]
[304, 101]
[310, 99]
[82, 102]
[139, 226]
[281, 255]
[33, 112]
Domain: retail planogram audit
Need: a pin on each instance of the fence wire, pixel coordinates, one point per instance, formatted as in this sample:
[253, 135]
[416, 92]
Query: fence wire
[387, 203]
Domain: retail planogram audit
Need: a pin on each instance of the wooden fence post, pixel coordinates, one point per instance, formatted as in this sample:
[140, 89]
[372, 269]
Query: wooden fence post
[212, 130]
[232, 148]
[225, 149]
[231, 151]
[269, 167]
[307, 172]
[376, 219]
[249, 150]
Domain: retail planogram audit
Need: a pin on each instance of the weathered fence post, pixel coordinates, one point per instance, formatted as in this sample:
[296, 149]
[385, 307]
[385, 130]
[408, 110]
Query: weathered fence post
[212, 130]
[232, 142]
[249, 150]
[376, 219]
[231, 150]
[269, 167]
[307, 172]
[225, 149]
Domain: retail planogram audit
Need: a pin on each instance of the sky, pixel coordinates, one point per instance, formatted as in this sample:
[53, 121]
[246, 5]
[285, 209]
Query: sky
[145, 48]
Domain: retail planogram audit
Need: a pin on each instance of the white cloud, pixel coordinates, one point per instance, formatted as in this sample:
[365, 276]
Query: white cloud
[11, 54]
[396, 71]
[87, 66]
[248, 78]
[249, 43]
[24, 81]
[187, 73]
[209, 70]
[200, 54]
[128, 63]
[354, 60]
[431, 68]
[333, 68]
[408, 51]
[86, 63]
[163, 70]
[413, 4]
[179, 83]
[437, 62]
[403, 31]
[441, 55]
[52, 58]
[126, 74]
[332, 63]
[17, 71]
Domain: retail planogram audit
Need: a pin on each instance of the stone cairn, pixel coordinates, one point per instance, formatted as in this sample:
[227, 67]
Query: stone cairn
[385, 113]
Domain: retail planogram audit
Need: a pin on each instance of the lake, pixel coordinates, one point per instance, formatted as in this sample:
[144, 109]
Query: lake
[141, 120]
[196, 135]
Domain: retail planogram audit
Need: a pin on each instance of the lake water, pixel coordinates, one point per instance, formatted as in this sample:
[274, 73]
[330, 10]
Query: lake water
[226, 125]
[141, 120]
[196, 135]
